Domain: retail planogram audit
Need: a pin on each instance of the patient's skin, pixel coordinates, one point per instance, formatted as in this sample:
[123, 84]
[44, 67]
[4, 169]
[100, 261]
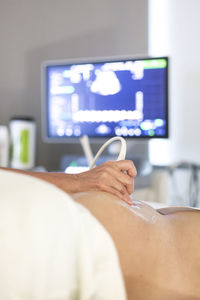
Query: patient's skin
[159, 253]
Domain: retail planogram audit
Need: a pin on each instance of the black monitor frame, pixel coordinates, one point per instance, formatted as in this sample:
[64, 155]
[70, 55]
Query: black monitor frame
[98, 139]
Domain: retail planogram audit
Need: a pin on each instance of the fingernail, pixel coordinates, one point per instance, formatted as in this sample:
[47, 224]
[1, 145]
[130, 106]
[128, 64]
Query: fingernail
[129, 200]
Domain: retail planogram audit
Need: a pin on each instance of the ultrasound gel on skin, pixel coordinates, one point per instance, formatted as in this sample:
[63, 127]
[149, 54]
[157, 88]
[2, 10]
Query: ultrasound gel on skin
[22, 134]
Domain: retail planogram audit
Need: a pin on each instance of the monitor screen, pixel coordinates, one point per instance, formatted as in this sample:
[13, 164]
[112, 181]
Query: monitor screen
[105, 98]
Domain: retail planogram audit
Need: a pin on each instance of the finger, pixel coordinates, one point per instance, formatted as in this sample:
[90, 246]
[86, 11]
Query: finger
[112, 180]
[101, 177]
[128, 166]
[127, 181]
[121, 188]
[115, 192]
[115, 170]
[122, 178]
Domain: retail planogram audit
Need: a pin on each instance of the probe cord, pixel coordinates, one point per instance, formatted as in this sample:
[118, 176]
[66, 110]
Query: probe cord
[122, 152]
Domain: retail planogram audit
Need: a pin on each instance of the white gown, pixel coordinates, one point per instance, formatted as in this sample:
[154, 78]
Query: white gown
[51, 247]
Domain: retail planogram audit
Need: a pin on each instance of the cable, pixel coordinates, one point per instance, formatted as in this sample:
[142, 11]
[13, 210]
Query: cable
[193, 186]
[122, 152]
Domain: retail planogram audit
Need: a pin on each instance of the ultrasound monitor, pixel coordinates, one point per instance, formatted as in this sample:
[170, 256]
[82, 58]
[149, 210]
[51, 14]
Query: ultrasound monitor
[102, 98]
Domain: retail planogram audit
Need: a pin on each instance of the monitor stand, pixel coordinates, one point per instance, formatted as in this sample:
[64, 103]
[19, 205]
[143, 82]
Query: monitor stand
[85, 143]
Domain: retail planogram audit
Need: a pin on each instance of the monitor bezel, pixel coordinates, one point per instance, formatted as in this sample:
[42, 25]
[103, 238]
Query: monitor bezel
[95, 139]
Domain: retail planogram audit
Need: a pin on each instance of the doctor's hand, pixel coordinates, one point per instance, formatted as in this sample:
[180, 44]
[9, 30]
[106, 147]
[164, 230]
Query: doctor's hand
[116, 178]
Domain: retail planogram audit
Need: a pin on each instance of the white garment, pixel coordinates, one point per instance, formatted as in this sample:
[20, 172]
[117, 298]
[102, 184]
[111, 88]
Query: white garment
[51, 247]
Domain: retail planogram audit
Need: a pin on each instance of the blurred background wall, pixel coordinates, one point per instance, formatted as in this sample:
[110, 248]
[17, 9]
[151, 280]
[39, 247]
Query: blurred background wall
[32, 31]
